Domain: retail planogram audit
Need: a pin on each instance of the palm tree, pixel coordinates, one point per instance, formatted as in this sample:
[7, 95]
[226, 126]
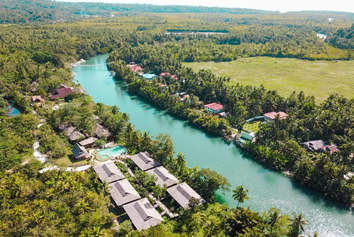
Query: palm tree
[240, 194]
[298, 225]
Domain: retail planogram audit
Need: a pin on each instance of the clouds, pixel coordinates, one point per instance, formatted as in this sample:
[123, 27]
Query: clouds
[280, 5]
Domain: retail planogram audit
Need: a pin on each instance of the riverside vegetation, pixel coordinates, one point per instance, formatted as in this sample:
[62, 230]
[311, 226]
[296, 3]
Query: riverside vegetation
[60, 203]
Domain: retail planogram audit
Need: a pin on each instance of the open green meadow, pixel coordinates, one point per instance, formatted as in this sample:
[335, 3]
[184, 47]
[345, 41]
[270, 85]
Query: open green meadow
[285, 75]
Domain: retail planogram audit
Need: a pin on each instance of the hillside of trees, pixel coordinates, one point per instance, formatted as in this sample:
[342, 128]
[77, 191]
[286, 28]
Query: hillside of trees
[24, 11]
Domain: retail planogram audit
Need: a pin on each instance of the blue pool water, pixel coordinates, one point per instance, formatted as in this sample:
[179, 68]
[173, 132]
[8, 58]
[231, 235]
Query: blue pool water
[110, 152]
[13, 111]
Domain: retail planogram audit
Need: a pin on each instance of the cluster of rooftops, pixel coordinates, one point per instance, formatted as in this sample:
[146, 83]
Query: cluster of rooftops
[149, 76]
[141, 212]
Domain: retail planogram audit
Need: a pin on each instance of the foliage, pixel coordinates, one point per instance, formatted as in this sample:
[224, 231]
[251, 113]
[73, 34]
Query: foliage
[53, 203]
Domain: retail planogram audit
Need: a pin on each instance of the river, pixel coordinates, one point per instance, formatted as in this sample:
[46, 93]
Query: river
[267, 188]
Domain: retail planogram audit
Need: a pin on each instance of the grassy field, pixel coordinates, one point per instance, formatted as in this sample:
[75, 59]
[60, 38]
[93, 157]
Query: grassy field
[317, 78]
[252, 126]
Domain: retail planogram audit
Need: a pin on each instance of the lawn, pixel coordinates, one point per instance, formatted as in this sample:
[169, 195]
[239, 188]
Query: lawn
[317, 78]
[70, 161]
[252, 126]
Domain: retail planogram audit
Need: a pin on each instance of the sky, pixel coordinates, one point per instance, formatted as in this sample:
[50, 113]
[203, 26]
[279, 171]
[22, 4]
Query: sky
[277, 5]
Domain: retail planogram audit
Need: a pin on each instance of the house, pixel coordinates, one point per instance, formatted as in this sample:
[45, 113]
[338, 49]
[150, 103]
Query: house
[142, 214]
[163, 86]
[165, 74]
[183, 193]
[330, 148]
[272, 115]
[174, 77]
[108, 172]
[80, 152]
[224, 114]
[123, 192]
[164, 178]
[101, 132]
[246, 137]
[61, 92]
[183, 96]
[135, 68]
[149, 76]
[72, 133]
[214, 108]
[315, 145]
[319, 145]
[144, 161]
[37, 99]
[88, 142]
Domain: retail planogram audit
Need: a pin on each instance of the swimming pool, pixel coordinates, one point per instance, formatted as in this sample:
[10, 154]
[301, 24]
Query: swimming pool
[110, 152]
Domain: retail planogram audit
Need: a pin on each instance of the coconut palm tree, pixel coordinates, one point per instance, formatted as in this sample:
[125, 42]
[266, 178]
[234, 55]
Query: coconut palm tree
[240, 194]
[298, 225]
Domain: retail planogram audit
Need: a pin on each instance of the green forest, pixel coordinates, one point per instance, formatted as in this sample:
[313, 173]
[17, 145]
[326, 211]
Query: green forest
[40, 40]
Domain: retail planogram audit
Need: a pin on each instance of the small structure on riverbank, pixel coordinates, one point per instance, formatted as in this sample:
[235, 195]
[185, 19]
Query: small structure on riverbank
[144, 161]
[142, 214]
[108, 172]
[246, 137]
[61, 92]
[123, 192]
[214, 108]
[80, 152]
[273, 115]
[164, 177]
[183, 193]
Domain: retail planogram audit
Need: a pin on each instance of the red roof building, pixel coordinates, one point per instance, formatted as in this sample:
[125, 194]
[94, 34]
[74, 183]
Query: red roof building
[165, 74]
[273, 115]
[61, 93]
[330, 148]
[37, 99]
[135, 68]
[214, 108]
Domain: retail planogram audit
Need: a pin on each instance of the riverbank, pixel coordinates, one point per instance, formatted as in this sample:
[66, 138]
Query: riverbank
[266, 188]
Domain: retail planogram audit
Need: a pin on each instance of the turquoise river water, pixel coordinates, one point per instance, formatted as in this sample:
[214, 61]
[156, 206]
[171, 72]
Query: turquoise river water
[267, 188]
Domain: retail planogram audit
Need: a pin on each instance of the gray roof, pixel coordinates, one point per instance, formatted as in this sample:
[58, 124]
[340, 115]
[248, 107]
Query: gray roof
[123, 192]
[102, 132]
[142, 214]
[144, 161]
[182, 193]
[71, 132]
[163, 176]
[108, 172]
[88, 141]
[79, 152]
[314, 145]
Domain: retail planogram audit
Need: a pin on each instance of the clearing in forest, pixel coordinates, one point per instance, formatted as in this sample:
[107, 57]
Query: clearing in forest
[285, 75]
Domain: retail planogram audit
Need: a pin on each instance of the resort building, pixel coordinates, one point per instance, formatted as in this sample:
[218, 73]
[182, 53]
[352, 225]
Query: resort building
[183, 193]
[61, 92]
[88, 142]
[101, 132]
[164, 178]
[149, 76]
[142, 214]
[272, 115]
[37, 99]
[319, 145]
[123, 192]
[214, 108]
[135, 68]
[144, 161]
[72, 133]
[108, 172]
[80, 152]
[246, 137]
